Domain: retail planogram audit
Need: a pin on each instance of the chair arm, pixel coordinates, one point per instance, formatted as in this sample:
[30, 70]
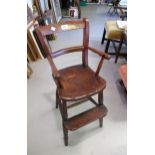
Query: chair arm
[100, 53]
[55, 54]
[103, 56]
[55, 72]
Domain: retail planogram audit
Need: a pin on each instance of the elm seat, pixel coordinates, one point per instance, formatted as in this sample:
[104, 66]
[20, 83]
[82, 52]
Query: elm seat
[79, 82]
[112, 30]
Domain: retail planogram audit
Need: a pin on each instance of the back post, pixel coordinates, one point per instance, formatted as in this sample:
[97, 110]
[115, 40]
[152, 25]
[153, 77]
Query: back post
[85, 42]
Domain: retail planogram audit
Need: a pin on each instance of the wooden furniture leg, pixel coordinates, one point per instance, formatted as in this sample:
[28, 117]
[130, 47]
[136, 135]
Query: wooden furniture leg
[65, 131]
[107, 46]
[57, 99]
[100, 101]
[76, 83]
[103, 37]
[118, 50]
[65, 115]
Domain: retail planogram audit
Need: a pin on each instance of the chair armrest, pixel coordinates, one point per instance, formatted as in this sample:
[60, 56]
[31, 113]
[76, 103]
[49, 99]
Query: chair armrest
[55, 54]
[100, 53]
[103, 56]
[55, 72]
[59, 53]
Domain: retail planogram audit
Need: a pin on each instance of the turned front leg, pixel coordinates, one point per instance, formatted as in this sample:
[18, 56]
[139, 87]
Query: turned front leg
[100, 101]
[57, 99]
[65, 116]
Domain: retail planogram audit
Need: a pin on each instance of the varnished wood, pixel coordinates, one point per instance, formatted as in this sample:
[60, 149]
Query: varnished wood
[61, 107]
[99, 66]
[100, 53]
[100, 101]
[57, 99]
[93, 101]
[61, 26]
[85, 43]
[65, 116]
[118, 50]
[66, 51]
[76, 103]
[107, 46]
[48, 55]
[76, 83]
[86, 117]
[82, 101]
[103, 37]
[79, 82]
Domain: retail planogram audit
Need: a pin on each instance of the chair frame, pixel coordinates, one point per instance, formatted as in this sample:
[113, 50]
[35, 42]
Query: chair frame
[42, 31]
[117, 49]
[122, 40]
[114, 5]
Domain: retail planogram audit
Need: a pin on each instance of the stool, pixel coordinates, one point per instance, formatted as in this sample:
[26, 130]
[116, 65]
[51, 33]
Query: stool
[114, 34]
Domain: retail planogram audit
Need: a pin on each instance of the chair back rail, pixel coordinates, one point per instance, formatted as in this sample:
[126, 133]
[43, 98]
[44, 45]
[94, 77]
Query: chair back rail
[62, 26]
[66, 51]
[42, 31]
[47, 52]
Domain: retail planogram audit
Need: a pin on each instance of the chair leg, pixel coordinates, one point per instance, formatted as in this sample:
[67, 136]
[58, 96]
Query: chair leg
[103, 37]
[65, 115]
[118, 50]
[109, 10]
[107, 46]
[112, 11]
[117, 12]
[101, 122]
[100, 101]
[65, 131]
[57, 99]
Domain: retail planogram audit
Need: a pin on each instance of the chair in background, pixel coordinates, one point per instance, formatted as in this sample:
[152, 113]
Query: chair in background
[112, 34]
[122, 7]
[113, 6]
[76, 83]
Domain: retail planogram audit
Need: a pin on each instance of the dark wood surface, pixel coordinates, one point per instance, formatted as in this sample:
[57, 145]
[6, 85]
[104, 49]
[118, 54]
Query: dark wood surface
[61, 26]
[123, 40]
[79, 82]
[86, 117]
[76, 82]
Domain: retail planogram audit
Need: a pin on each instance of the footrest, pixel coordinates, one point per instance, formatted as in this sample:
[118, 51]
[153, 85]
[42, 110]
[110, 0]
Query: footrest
[86, 117]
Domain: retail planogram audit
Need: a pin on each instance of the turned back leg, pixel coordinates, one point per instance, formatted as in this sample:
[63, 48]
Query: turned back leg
[57, 99]
[64, 115]
[100, 101]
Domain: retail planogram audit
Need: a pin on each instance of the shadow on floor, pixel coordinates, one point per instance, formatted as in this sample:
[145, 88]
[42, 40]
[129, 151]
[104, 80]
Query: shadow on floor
[84, 133]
